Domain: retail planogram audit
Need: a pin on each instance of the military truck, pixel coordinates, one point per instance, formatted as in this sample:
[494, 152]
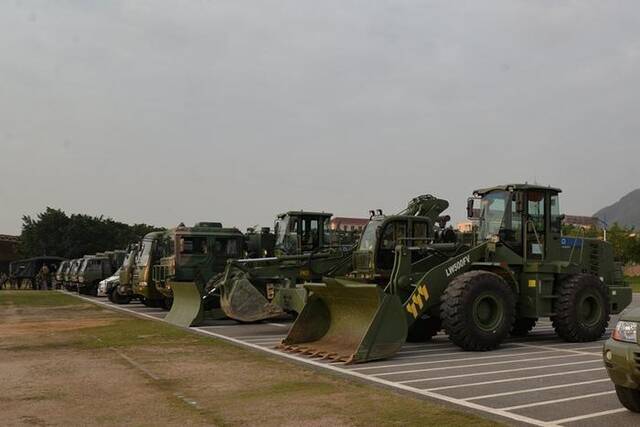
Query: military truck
[74, 271]
[23, 273]
[621, 354]
[69, 274]
[191, 256]
[143, 286]
[95, 268]
[519, 268]
[59, 275]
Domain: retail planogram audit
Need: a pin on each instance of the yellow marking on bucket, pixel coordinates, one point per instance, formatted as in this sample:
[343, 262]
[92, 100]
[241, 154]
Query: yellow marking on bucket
[411, 308]
[417, 299]
[533, 283]
[422, 290]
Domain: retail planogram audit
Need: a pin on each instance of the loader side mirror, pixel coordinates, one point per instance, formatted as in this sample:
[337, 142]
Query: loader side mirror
[470, 210]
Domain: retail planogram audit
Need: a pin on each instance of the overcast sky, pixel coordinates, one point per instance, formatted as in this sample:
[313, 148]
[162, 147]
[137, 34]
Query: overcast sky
[168, 111]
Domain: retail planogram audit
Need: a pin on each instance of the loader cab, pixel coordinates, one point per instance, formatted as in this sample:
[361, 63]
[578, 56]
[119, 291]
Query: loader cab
[299, 232]
[525, 218]
[375, 254]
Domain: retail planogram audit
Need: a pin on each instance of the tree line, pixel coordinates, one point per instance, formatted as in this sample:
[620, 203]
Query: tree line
[54, 233]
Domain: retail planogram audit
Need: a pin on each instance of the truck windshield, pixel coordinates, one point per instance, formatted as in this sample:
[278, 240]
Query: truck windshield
[492, 213]
[368, 239]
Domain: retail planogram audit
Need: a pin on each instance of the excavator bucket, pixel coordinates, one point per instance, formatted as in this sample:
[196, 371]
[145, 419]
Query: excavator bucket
[187, 308]
[242, 301]
[345, 321]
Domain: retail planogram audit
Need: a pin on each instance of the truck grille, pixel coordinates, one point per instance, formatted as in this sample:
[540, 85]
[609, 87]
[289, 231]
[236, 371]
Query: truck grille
[361, 261]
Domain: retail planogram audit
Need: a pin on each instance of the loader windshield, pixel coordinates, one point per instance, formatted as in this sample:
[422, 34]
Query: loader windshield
[492, 213]
[368, 239]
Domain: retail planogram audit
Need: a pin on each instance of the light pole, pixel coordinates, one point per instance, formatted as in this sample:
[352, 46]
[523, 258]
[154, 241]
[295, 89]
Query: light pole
[606, 226]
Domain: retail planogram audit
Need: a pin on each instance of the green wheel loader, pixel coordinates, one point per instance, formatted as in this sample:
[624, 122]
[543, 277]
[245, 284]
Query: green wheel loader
[519, 268]
[253, 290]
[269, 285]
[192, 256]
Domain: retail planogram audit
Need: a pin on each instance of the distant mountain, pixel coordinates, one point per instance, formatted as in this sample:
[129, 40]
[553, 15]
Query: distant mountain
[625, 211]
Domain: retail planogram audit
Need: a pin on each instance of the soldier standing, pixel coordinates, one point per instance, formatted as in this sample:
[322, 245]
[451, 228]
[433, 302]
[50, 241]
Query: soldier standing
[44, 277]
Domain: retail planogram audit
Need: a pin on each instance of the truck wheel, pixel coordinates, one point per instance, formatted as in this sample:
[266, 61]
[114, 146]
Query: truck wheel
[582, 309]
[629, 398]
[478, 310]
[424, 329]
[522, 326]
[116, 298]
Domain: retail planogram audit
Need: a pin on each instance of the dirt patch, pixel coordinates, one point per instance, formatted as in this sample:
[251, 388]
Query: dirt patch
[8, 329]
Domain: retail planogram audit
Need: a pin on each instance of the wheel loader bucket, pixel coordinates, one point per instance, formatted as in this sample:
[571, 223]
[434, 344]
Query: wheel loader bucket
[240, 300]
[349, 322]
[187, 308]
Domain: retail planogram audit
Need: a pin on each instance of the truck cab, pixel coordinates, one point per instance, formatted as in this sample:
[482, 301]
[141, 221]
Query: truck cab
[195, 254]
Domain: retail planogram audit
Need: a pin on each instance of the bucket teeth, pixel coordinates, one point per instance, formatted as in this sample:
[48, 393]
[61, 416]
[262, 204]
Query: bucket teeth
[313, 353]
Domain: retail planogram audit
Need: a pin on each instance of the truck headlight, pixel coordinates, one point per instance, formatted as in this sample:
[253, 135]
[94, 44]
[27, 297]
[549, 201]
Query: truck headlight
[626, 331]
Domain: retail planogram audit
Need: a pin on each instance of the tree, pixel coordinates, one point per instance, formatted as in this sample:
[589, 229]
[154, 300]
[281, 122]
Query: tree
[55, 233]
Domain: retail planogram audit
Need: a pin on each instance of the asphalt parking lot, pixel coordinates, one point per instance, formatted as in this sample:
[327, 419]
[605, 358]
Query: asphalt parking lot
[538, 380]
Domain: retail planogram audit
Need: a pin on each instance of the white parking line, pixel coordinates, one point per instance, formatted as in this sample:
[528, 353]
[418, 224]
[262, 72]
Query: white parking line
[503, 371]
[567, 350]
[273, 339]
[550, 402]
[506, 380]
[531, 390]
[249, 337]
[475, 365]
[281, 325]
[430, 349]
[449, 360]
[450, 351]
[586, 416]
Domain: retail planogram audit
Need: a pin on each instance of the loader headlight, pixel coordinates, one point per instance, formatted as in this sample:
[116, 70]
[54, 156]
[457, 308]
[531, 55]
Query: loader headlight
[626, 331]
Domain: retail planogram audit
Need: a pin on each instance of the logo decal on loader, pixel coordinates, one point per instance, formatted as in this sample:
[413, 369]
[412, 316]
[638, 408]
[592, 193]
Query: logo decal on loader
[419, 297]
[453, 268]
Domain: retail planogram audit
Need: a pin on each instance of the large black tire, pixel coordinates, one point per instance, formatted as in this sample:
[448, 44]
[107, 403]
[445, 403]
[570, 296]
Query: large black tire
[116, 298]
[522, 326]
[582, 308]
[167, 303]
[424, 329]
[155, 303]
[478, 310]
[629, 398]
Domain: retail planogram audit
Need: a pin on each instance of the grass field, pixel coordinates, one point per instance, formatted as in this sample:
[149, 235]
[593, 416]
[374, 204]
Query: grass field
[68, 362]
